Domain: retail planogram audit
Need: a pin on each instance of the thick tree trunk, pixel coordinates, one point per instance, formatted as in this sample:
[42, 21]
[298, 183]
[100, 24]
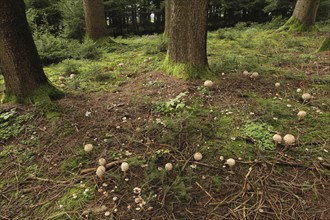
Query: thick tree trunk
[187, 39]
[303, 17]
[95, 19]
[168, 12]
[21, 65]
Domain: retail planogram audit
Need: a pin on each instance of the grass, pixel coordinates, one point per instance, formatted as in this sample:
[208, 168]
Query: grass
[149, 119]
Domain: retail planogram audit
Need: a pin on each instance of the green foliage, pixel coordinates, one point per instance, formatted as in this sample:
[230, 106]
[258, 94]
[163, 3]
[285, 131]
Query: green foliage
[72, 18]
[171, 106]
[12, 124]
[262, 134]
[55, 49]
[325, 45]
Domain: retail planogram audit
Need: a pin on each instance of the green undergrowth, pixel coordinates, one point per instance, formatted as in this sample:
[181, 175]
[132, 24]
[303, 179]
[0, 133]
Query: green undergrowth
[12, 124]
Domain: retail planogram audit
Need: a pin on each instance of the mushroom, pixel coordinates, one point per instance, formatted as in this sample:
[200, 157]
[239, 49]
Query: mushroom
[62, 86]
[88, 147]
[61, 78]
[246, 73]
[277, 138]
[124, 166]
[72, 76]
[301, 114]
[254, 75]
[306, 97]
[230, 162]
[100, 171]
[208, 84]
[198, 156]
[102, 161]
[289, 139]
[168, 166]
[277, 84]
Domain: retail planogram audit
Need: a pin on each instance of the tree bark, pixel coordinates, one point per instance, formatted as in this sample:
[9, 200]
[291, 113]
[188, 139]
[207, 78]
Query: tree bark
[303, 17]
[187, 39]
[168, 12]
[95, 19]
[21, 64]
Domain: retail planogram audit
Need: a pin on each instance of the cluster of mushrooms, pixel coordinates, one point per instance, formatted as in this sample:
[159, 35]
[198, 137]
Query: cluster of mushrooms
[62, 79]
[288, 139]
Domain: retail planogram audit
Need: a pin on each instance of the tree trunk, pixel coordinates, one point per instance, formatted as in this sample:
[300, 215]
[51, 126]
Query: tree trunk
[303, 17]
[25, 80]
[187, 39]
[95, 19]
[168, 12]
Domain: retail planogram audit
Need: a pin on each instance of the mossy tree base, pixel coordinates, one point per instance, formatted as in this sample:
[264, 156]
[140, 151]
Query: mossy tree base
[293, 24]
[186, 71]
[42, 97]
[325, 46]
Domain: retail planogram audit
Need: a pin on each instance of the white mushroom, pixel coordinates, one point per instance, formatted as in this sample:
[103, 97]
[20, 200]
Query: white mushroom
[124, 166]
[62, 86]
[289, 139]
[88, 147]
[198, 156]
[254, 75]
[230, 162]
[301, 114]
[102, 161]
[208, 83]
[246, 73]
[277, 84]
[100, 171]
[61, 78]
[277, 138]
[72, 76]
[168, 166]
[306, 97]
[298, 90]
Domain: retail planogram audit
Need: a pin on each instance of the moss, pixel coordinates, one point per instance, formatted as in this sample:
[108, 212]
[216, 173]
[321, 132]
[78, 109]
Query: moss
[45, 93]
[325, 46]
[186, 70]
[293, 24]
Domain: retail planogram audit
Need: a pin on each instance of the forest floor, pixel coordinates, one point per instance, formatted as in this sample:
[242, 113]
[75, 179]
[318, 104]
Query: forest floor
[131, 111]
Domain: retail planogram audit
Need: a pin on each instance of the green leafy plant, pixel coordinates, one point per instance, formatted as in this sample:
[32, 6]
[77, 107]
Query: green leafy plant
[262, 134]
[12, 125]
[173, 105]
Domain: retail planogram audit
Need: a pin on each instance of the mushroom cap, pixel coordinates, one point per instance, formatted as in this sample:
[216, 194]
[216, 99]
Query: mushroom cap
[72, 76]
[102, 161]
[168, 166]
[61, 78]
[277, 84]
[254, 75]
[301, 114]
[88, 147]
[289, 139]
[306, 96]
[230, 162]
[198, 156]
[62, 86]
[124, 166]
[100, 171]
[277, 138]
[246, 73]
[208, 83]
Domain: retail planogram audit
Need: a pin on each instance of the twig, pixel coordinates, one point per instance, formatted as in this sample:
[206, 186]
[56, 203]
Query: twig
[206, 192]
